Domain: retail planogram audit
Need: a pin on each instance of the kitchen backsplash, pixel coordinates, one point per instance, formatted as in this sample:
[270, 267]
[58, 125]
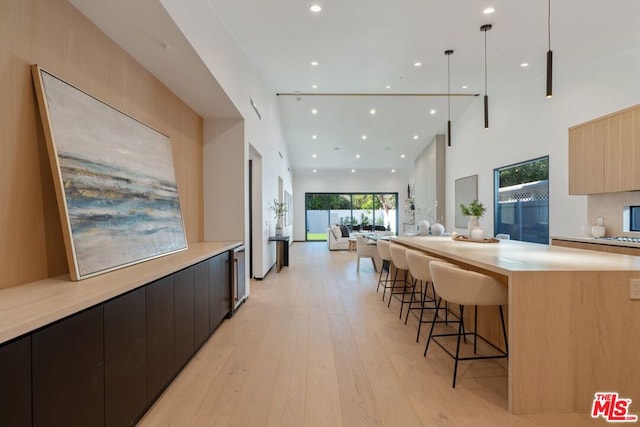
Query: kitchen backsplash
[610, 207]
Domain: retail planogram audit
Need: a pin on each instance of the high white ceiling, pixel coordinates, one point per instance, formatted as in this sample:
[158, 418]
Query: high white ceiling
[361, 47]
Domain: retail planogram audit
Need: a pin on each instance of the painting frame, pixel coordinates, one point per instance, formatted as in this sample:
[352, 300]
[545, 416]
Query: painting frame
[466, 191]
[114, 180]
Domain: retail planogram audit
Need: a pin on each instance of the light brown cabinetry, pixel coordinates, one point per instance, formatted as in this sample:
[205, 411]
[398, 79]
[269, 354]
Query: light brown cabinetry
[604, 154]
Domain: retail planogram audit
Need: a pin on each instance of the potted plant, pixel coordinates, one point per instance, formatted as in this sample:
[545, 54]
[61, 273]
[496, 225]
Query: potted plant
[279, 209]
[474, 211]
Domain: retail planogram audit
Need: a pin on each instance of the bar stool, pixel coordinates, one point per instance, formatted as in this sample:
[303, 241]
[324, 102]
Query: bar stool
[465, 287]
[399, 260]
[385, 255]
[418, 263]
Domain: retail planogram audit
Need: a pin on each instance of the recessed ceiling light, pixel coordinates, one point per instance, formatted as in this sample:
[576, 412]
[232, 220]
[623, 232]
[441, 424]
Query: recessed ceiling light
[353, 171]
[314, 156]
[524, 64]
[314, 171]
[415, 136]
[393, 171]
[357, 156]
[315, 8]
[314, 136]
[314, 86]
[373, 111]
[314, 111]
[432, 112]
[364, 136]
[314, 63]
[417, 64]
[388, 87]
[489, 10]
[402, 156]
[465, 87]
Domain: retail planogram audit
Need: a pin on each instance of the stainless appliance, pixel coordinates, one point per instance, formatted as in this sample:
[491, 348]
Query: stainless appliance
[238, 279]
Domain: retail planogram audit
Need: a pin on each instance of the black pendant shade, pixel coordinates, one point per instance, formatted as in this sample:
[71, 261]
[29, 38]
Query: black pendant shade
[549, 74]
[549, 57]
[484, 29]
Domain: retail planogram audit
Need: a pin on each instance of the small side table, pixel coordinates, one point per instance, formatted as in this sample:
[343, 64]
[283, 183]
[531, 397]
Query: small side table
[282, 251]
[353, 244]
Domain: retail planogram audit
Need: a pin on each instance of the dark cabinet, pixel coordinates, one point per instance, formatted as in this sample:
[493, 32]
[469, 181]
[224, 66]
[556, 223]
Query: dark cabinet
[125, 358]
[68, 371]
[219, 289]
[106, 365]
[160, 336]
[15, 383]
[201, 302]
[184, 317]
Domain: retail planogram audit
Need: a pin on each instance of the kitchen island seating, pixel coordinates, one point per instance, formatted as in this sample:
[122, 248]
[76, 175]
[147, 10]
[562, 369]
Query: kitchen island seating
[385, 256]
[418, 263]
[464, 287]
[364, 249]
[399, 260]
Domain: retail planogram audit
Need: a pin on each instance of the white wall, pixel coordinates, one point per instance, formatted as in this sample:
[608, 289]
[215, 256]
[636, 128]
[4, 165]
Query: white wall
[241, 82]
[336, 181]
[525, 125]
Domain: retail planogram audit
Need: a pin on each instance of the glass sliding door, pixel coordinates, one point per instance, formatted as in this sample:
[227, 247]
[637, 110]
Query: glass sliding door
[522, 201]
[358, 211]
[317, 216]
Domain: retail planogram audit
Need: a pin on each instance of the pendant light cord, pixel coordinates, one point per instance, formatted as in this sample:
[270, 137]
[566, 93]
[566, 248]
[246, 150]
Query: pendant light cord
[485, 62]
[449, 86]
[549, 24]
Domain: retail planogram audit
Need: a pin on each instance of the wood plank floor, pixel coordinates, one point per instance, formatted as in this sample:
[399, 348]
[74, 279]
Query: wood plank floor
[314, 345]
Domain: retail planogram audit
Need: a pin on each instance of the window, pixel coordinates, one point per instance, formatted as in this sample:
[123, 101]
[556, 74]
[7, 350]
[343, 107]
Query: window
[358, 211]
[522, 201]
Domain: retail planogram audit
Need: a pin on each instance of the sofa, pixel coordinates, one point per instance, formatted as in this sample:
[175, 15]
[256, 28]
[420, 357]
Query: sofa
[336, 240]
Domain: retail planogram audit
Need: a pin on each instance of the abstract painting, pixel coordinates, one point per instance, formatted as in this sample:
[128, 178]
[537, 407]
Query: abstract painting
[114, 177]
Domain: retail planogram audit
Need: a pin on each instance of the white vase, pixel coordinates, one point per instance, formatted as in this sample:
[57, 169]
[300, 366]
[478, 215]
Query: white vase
[423, 227]
[437, 229]
[473, 223]
[279, 226]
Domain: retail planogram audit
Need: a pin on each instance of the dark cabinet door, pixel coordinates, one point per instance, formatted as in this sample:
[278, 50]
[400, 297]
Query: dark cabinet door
[201, 303]
[219, 288]
[15, 383]
[160, 336]
[184, 317]
[125, 358]
[68, 371]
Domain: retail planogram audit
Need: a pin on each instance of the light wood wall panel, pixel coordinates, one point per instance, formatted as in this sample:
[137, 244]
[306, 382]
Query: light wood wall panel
[53, 34]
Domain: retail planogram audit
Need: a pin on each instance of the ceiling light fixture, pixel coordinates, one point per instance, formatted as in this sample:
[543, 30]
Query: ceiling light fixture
[484, 29]
[432, 111]
[549, 57]
[448, 53]
[417, 64]
[393, 171]
[402, 156]
[388, 87]
[314, 136]
[314, 86]
[353, 171]
[314, 111]
[524, 64]
[489, 10]
[364, 136]
[314, 63]
[415, 136]
[314, 156]
[314, 171]
[373, 111]
[315, 8]
[357, 156]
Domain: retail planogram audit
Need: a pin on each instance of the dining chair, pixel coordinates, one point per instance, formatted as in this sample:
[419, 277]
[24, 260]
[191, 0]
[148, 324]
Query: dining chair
[365, 250]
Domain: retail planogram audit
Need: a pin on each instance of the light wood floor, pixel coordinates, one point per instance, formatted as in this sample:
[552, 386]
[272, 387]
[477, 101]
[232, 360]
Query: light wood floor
[314, 345]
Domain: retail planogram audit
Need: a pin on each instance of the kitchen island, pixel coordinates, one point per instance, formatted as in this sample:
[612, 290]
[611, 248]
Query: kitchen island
[573, 328]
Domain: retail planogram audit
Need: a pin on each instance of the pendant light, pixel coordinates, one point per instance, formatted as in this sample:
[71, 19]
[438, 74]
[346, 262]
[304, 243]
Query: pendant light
[448, 53]
[484, 29]
[549, 57]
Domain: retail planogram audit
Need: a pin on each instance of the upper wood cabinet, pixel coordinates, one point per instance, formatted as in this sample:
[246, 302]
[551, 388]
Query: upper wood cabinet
[604, 154]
